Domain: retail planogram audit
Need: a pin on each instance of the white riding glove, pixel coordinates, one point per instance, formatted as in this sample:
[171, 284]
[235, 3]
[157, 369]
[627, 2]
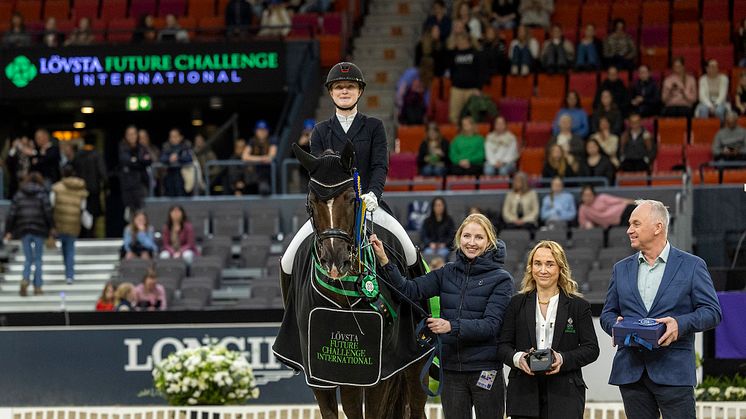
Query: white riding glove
[371, 202]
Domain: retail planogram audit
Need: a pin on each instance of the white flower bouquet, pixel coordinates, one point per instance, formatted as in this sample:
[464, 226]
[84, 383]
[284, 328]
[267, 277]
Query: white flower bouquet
[719, 389]
[208, 375]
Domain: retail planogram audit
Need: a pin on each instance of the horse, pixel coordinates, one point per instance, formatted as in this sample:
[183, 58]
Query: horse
[359, 320]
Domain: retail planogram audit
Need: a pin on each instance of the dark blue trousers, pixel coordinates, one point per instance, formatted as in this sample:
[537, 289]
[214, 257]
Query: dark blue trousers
[648, 400]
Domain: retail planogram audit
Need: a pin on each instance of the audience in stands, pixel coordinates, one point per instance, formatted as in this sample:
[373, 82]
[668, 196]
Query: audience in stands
[480, 107]
[504, 13]
[18, 162]
[558, 53]
[574, 109]
[413, 105]
[589, 50]
[178, 236]
[637, 147]
[139, 238]
[431, 46]
[558, 205]
[603, 210]
[523, 52]
[495, 52]
[645, 94]
[46, 161]
[439, 17]
[616, 87]
[69, 198]
[740, 97]
[304, 142]
[204, 154]
[608, 109]
[82, 34]
[145, 32]
[679, 91]
[172, 31]
[433, 158]
[713, 93]
[237, 176]
[556, 163]
[596, 163]
[260, 150]
[536, 12]
[275, 19]
[740, 44]
[468, 75]
[143, 138]
[238, 16]
[608, 141]
[571, 143]
[467, 150]
[463, 14]
[126, 300]
[30, 220]
[521, 205]
[730, 141]
[107, 300]
[500, 150]
[89, 166]
[134, 162]
[51, 37]
[175, 156]
[437, 230]
[16, 35]
[149, 294]
[619, 48]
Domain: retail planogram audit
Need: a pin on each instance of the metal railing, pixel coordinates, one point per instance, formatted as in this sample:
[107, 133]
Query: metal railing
[238, 163]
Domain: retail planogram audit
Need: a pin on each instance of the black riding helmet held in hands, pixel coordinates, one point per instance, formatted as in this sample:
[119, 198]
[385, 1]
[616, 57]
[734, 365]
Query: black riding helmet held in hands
[345, 71]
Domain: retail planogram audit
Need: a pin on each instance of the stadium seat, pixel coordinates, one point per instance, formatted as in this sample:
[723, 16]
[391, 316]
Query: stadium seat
[333, 24]
[200, 8]
[461, 183]
[716, 10]
[686, 10]
[427, 183]
[617, 237]
[115, 9]
[595, 13]
[495, 88]
[448, 131]
[544, 109]
[566, 15]
[6, 11]
[587, 240]
[29, 9]
[707, 177]
[697, 154]
[331, 49]
[630, 12]
[221, 6]
[656, 58]
[715, 33]
[304, 25]
[655, 13]
[539, 34]
[440, 88]
[494, 182]
[519, 86]
[254, 255]
[631, 178]
[228, 223]
[517, 129]
[397, 185]
[483, 128]
[410, 137]
[672, 131]
[587, 104]
[140, 8]
[207, 266]
[669, 157]
[174, 7]
[402, 165]
[548, 85]
[723, 54]
[263, 222]
[704, 130]
[120, 30]
[737, 176]
[513, 109]
[437, 111]
[623, 76]
[667, 178]
[692, 58]
[537, 134]
[66, 26]
[571, 34]
[684, 34]
[532, 160]
[172, 268]
[85, 8]
[583, 83]
[58, 9]
[654, 36]
[189, 23]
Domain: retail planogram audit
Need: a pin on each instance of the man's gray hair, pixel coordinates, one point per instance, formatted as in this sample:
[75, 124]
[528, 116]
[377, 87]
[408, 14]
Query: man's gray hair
[658, 211]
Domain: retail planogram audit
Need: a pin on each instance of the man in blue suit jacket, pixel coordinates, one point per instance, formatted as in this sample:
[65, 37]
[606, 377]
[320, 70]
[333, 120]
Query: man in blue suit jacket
[674, 288]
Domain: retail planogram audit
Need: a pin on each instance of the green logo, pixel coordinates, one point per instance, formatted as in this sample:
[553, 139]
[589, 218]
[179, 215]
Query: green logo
[21, 71]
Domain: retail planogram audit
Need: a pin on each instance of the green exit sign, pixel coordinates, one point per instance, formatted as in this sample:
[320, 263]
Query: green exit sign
[139, 103]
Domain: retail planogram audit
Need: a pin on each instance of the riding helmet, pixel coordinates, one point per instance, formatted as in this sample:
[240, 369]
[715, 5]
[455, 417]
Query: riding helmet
[345, 71]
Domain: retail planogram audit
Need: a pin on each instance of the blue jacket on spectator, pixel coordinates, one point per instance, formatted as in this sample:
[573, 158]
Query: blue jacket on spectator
[146, 240]
[473, 297]
[579, 121]
[561, 208]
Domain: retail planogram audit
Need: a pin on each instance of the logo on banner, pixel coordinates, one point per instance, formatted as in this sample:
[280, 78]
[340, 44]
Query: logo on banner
[21, 71]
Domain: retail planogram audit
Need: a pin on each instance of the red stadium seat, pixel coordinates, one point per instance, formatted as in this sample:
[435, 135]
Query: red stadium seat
[631, 178]
[537, 134]
[715, 33]
[114, 9]
[672, 131]
[583, 83]
[669, 157]
[397, 185]
[29, 9]
[539, 34]
[221, 6]
[735, 176]
[739, 12]
[654, 36]
[402, 165]
[437, 111]
[513, 109]
[667, 178]
[684, 34]
[686, 10]
[566, 15]
[551, 85]
[188, 23]
[58, 9]
[6, 11]
[423, 183]
[655, 58]
[711, 177]
[704, 130]
[410, 137]
[595, 13]
[532, 160]
[495, 88]
[331, 49]
[587, 103]
[630, 12]
[697, 154]
[461, 183]
[519, 86]
[333, 24]
[483, 128]
[440, 88]
[140, 8]
[66, 26]
[304, 25]
[173, 7]
[655, 13]
[120, 30]
[544, 109]
[517, 129]
[448, 131]
[692, 58]
[85, 8]
[494, 182]
[724, 56]
[200, 8]
[716, 10]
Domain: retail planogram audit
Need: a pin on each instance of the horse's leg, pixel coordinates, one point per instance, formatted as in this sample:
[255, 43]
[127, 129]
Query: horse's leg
[386, 400]
[327, 401]
[417, 397]
[352, 401]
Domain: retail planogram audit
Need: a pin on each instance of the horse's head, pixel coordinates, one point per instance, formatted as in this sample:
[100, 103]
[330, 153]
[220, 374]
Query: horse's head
[331, 205]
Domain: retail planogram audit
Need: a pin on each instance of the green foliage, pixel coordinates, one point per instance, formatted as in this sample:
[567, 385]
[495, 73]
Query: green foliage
[721, 389]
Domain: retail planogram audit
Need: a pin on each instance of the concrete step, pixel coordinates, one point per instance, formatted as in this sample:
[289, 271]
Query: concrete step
[32, 307]
[78, 288]
[399, 8]
[48, 298]
[97, 276]
[79, 258]
[403, 57]
[395, 19]
[49, 268]
[404, 33]
[383, 42]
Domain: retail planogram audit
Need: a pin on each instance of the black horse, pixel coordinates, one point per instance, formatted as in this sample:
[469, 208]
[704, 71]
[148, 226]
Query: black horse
[343, 326]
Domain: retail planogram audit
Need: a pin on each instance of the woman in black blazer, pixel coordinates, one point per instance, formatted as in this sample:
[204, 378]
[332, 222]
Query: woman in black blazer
[548, 312]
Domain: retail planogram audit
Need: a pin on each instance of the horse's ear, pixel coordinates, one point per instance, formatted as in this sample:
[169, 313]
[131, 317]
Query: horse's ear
[307, 160]
[348, 155]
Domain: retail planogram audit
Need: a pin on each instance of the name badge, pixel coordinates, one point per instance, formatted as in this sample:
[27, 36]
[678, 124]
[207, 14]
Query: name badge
[486, 379]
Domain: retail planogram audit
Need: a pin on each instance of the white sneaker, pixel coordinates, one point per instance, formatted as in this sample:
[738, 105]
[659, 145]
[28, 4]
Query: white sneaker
[69, 281]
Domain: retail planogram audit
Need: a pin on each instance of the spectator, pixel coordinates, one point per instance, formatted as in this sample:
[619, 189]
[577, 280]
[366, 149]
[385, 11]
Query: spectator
[558, 205]
[741, 94]
[637, 147]
[521, 205]
[645, 94]
[81, 35]
[139, 238]
[177, 153]
[16, 36]
[608, 109]
[238, 176]
[143, 138]
[480, 107]
[134, 161]
[47, 158]
[740, 44]
[457, 30]
[51, 37]
[730, 141]
[68, 150]
[713, 93]
[261, 151]
[275, 19]
[467, 150]
[616, 87]
[596, 162]
[173, 31]
[558, 53]
[619, 47]
[432, 158]
[439, 17]
[501, 150]
[413, 107]
[107, 300]
[679, 91]
[573, 108]
[30, 220]
[608, 141]
[126, 299]
[524, 50]
[431, 45]
[68, 198]
[504, 14]
[21, 152]
[178, 236]
[145, 32]
[437, 230]
[238, 17]
[495, 52]
[603, 210]
[304, 142]
[590, 48]
[556, 163]
[464, 15]
[150, 295]
[468, 75]
[536, 12]
[571, 143]
[204, 154]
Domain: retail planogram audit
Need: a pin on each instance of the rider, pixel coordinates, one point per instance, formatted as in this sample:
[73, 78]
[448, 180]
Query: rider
[345, 84]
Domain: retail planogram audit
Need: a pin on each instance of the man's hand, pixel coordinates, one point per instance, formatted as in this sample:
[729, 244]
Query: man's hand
[618, 319]
[672, 331]
[438, 326]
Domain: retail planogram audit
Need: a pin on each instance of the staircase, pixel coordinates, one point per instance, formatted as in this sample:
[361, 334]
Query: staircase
[384, 49]
[95, 263]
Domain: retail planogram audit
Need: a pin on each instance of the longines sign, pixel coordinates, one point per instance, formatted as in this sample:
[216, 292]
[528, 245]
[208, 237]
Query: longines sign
[174, 69]
[112, 365]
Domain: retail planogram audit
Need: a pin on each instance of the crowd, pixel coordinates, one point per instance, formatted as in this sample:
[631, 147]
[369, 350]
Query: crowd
[149, 295]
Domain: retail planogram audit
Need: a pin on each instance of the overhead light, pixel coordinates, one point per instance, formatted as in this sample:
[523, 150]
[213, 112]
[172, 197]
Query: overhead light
[197, 122]
[197, 117]
[216, 102]
[79, 125]
[86, 109]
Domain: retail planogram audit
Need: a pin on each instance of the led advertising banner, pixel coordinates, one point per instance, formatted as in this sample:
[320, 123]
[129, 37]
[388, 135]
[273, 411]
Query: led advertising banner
[155, 69]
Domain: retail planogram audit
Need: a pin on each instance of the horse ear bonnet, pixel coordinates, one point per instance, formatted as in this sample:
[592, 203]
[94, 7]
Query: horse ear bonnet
[331, 175]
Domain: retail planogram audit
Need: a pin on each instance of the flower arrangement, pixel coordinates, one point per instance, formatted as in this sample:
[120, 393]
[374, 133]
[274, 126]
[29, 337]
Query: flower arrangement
[207, 375]
[716, 389]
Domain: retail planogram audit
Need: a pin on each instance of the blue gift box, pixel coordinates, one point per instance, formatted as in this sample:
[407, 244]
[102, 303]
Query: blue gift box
[637, 333]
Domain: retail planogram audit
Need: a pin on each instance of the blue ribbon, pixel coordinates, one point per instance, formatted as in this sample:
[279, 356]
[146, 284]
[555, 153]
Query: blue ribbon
[633, 337]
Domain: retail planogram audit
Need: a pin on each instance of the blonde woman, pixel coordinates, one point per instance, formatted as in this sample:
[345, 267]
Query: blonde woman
[474, 291]
[521, 205]
[547, 313]
[125, 297]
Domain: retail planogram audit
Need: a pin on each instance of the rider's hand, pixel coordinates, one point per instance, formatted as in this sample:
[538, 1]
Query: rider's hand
[371, 202]
[378, 250]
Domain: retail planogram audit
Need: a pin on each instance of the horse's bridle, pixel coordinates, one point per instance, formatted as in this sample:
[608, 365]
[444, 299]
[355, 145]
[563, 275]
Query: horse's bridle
[334, 233]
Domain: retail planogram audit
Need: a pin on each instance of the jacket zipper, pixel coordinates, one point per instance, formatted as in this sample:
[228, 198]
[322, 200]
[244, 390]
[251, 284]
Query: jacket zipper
[460, 305]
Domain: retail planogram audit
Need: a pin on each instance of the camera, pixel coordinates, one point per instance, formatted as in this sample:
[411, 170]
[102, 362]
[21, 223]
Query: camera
[540, 361]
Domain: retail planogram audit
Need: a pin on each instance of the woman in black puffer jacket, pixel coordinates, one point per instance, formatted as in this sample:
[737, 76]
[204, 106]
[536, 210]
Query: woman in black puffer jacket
[474, 292]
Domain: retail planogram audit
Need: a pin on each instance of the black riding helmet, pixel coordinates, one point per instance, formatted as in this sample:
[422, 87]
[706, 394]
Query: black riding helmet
[345, 71]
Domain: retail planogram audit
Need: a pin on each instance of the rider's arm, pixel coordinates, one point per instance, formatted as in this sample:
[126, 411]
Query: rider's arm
[379, 159]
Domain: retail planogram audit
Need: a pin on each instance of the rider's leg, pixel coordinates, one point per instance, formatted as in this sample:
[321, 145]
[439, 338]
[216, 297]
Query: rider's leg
[286, 263]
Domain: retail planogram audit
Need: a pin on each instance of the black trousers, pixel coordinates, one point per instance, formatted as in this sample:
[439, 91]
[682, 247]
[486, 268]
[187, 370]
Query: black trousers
[648, 400]
[460, 393]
